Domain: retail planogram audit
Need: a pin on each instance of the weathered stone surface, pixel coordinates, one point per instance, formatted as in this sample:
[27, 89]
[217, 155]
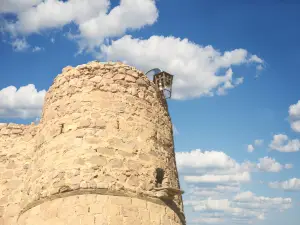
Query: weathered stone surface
[104, 130]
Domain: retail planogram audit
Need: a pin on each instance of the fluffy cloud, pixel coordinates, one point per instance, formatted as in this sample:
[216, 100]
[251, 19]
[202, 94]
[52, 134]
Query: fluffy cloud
[198, 159]
[240, 177]
[257, 143]
[294, 113]
[267, 164]
[216, 167]
[213, 182]
[282, 143]
[175, 130]
[25, 102]
[37, 49]
[20, 45]
[198, 70]
[261, 203]
[94, 18]
[288, 185]
[250, 148]
[16, 6]
[208, 218]
[243, 207]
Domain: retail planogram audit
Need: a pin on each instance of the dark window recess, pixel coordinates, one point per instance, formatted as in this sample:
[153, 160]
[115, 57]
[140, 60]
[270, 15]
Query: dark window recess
[62, 125]
[159, 177]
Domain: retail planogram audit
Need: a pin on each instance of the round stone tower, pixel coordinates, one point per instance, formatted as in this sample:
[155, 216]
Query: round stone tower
[104, 152]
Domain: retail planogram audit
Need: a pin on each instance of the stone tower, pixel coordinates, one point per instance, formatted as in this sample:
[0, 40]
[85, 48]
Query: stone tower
[102, 154]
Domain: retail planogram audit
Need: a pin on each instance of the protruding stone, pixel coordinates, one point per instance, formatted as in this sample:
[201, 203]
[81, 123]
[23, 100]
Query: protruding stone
[129, 78]
[119, 77]
[66, 69]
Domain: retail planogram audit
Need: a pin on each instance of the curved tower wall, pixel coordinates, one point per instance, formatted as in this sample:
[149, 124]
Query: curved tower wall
[104, 131]
[16, 148]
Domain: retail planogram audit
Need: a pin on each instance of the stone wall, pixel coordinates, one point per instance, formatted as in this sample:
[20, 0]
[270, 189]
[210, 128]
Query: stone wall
[104, 131]
[16, 147]
[92, 209]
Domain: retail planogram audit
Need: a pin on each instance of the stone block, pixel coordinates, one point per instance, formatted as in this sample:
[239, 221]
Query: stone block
[12, 210]
[105, 151]
[119, 77]
[116, 163]
[133, 181]
[129, 78]
[96, 208]
[139, 203]
[87, 220]
[98, 160]
[116, 200]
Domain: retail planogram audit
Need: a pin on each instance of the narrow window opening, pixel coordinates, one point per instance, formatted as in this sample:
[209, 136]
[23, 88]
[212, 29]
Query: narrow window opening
[62, 127]
[159, 177]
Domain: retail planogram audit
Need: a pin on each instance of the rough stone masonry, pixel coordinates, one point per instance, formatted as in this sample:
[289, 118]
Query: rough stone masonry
[92, 159]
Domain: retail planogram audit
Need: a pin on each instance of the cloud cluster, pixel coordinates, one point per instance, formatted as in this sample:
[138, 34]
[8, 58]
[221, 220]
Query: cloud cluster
[260, 203]
[95, 19]
[214, 179]
[288, 185]
[244, 207]
[282, 143]
[17, 6]
[267, 164]
[257, 143]
[294, 114]
[25, 102]
[216, 167]
[199, 71]
[20, 45]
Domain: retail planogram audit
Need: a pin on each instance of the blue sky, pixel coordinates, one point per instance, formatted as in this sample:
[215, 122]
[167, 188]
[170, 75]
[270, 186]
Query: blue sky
[213, 110]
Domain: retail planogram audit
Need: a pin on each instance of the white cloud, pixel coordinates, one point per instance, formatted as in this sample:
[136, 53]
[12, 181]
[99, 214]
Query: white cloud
[294, 114]
[16, 6]
[288, 166]
[282, 143]
[269, 165]
[25, 102]
[250, 200]
[20, 45]
[94, 18]
[37, 49]
[259, 67]
[218, 179]
[198, 70]
[255, 58]
[216, 167]
[250, 148]
[243, 207]
[288, 185]
[175, 130]
[208, 220]
[257, 143]
[211, 191]
[55, 14]
[265, 164]
[213, 181]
